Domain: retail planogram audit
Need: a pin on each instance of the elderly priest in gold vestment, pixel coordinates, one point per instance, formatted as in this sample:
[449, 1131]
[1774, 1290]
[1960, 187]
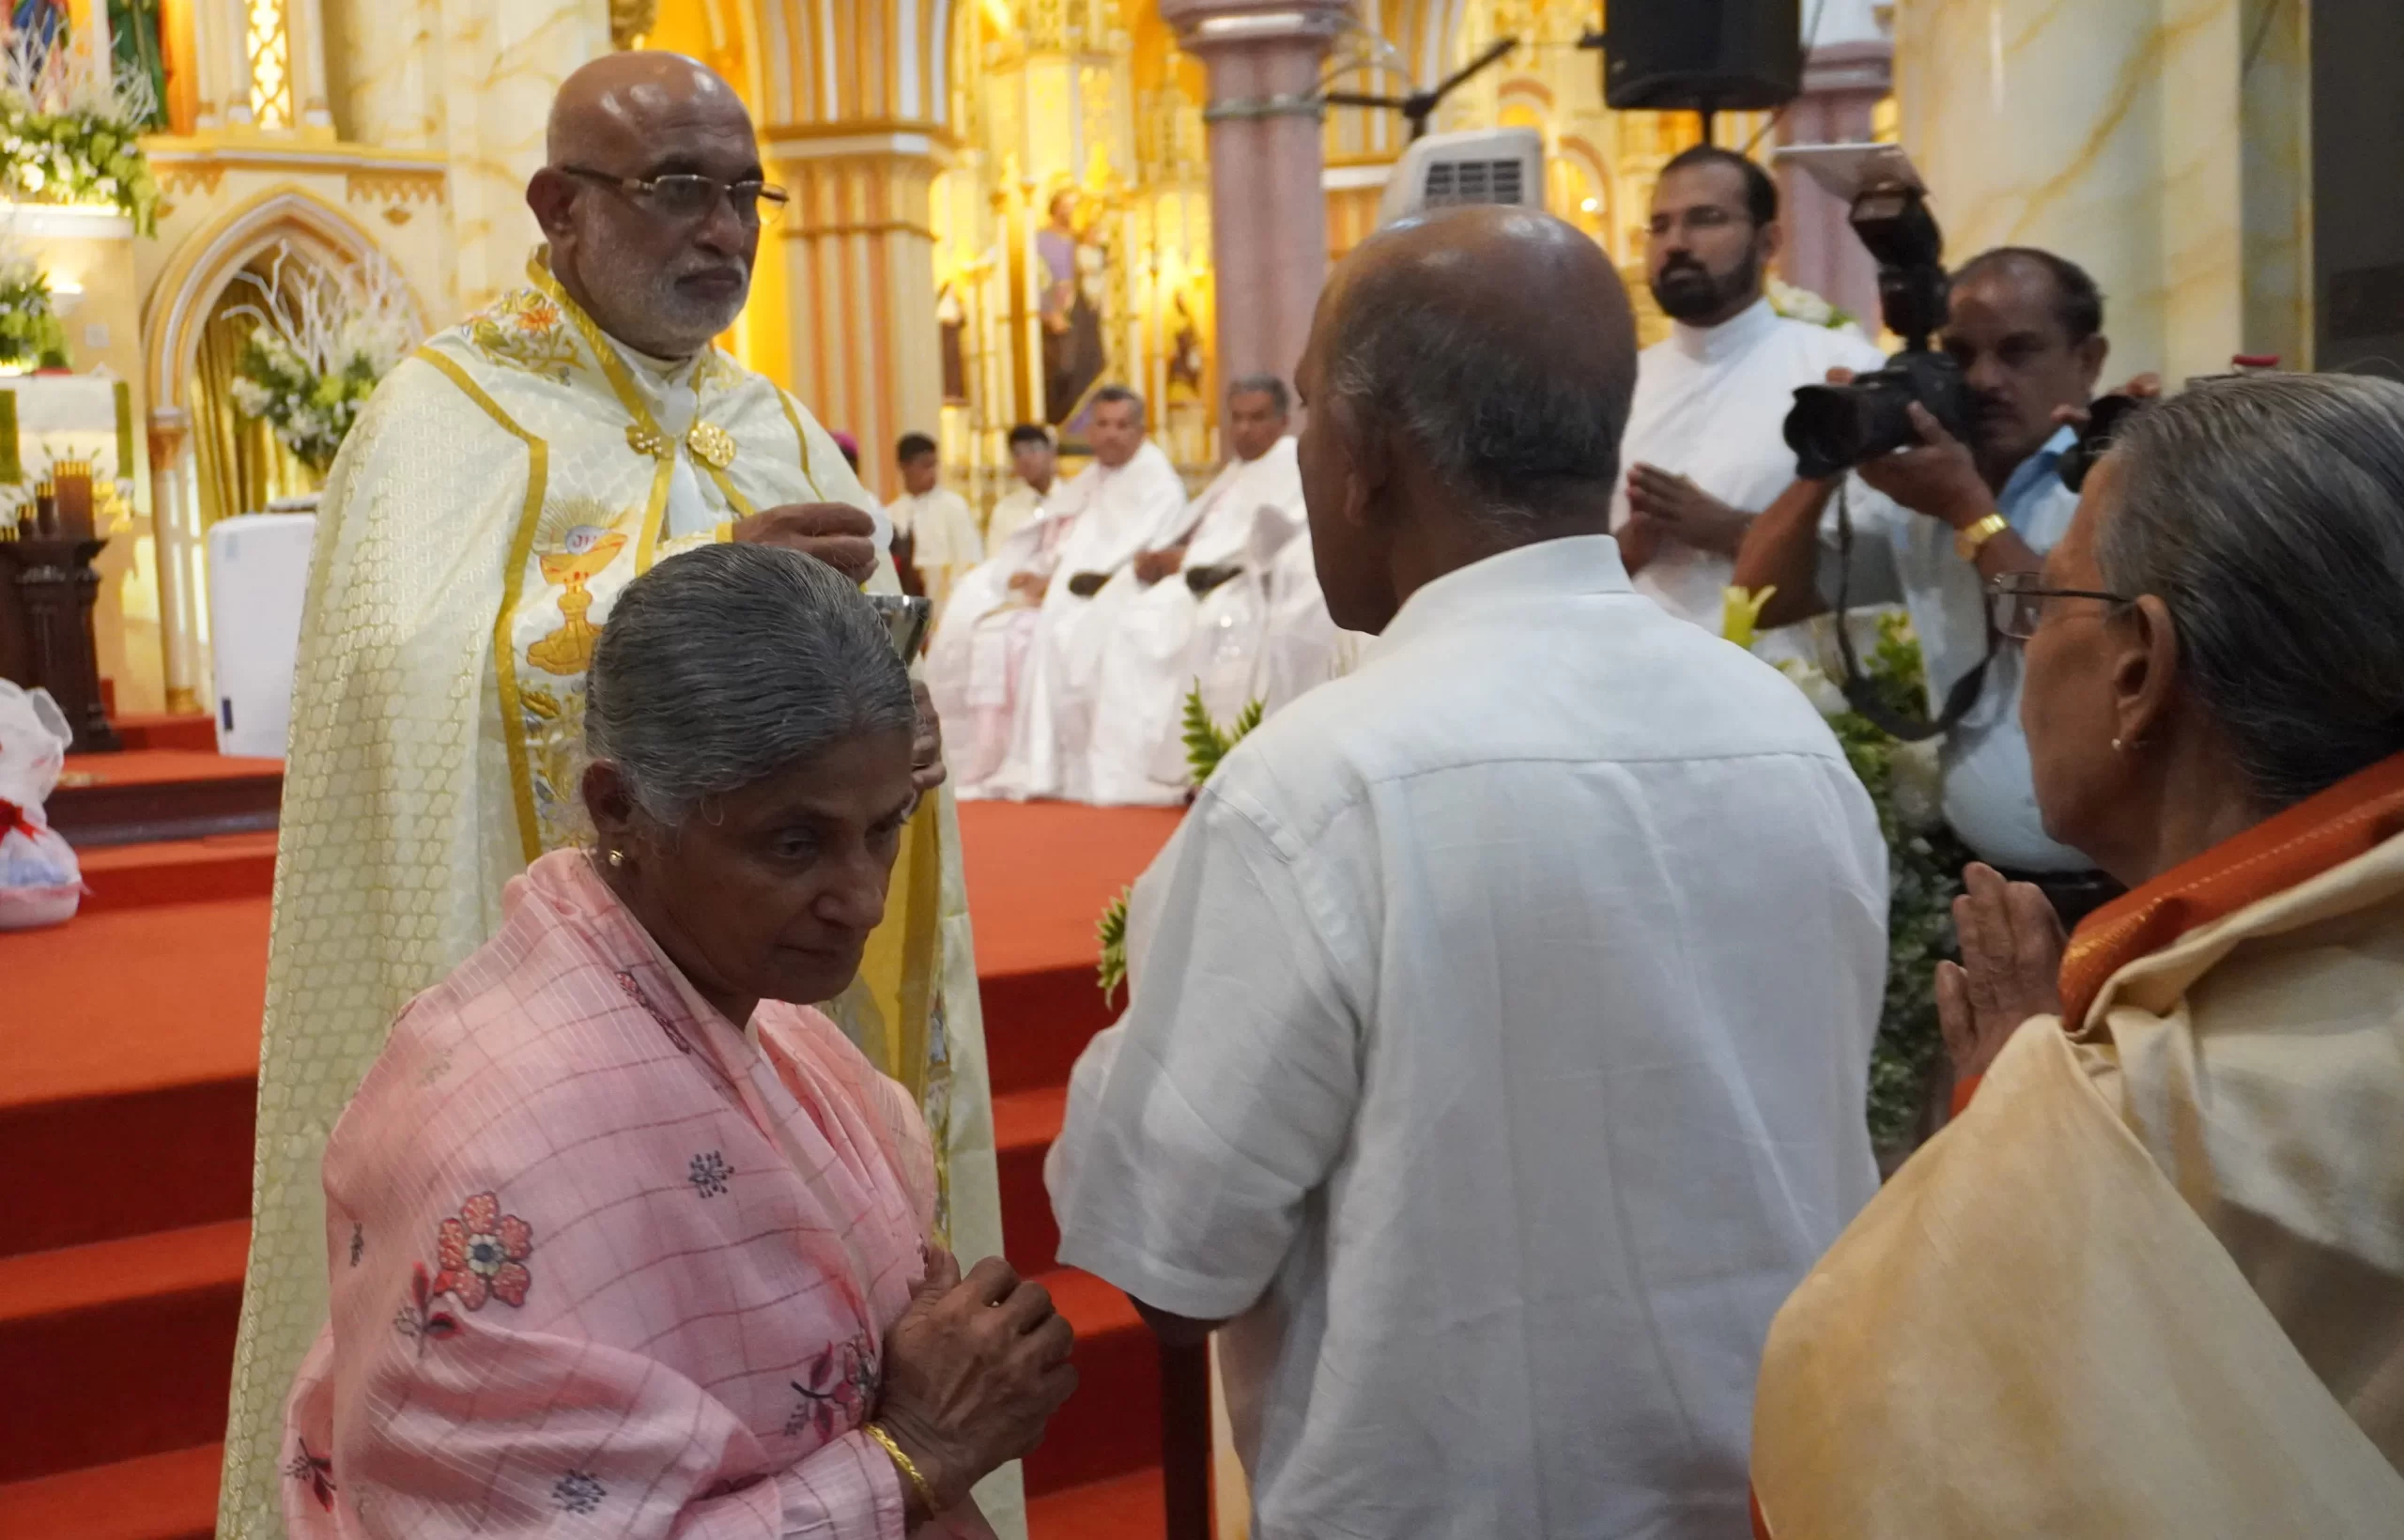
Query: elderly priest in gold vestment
[502, 487]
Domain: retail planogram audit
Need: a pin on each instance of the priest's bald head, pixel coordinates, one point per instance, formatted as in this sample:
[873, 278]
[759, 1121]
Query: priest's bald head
[1467, 377]
[651, 199]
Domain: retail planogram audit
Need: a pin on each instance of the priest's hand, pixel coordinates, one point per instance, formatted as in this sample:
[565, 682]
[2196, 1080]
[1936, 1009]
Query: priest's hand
[837, 533]
[1030, 586]
[972, 1371]
[1152, 566]
[926, 750]
[1935, 477]
[2011, 968]
[1684, 511]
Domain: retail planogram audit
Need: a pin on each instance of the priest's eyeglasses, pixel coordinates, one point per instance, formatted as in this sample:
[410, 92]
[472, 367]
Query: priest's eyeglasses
[683, 197]
[2016, 602]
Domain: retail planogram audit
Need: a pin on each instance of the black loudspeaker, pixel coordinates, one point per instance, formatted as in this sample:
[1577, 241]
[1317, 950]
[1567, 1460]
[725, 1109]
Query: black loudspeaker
[1707, 55]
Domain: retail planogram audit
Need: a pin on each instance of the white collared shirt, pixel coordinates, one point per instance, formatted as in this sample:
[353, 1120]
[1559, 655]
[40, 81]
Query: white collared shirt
[1990, 792]
[1497, 1055]
[1711, 406]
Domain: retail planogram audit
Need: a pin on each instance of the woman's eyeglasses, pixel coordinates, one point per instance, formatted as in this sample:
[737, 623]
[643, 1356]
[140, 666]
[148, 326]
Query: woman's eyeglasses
[684, 197]
[2016, 603]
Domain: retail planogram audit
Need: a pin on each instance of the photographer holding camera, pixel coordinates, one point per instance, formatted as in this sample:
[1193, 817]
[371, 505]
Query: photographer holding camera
[2025, 327]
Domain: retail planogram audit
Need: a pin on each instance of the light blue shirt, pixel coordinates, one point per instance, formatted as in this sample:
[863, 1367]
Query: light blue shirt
[1990, 797]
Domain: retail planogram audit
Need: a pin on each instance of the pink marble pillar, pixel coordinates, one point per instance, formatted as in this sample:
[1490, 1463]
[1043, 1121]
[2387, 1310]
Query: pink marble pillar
[1843, 84]
[1268, 210]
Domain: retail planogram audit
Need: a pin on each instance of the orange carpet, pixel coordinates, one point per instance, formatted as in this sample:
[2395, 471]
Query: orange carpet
[128, 1044]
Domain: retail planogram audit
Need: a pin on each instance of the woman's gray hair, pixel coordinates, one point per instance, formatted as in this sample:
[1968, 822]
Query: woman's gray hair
[732, 662]
[2267, 512]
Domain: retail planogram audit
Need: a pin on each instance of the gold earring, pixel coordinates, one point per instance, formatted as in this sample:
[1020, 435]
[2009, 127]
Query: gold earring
[2116, 749]
[618, 858]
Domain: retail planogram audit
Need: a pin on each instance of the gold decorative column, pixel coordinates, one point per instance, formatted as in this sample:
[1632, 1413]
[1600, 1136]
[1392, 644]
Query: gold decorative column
[859, 281]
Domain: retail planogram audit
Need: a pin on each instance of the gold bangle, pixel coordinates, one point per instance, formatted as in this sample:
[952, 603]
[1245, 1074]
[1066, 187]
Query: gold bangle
[908, 1467]
[1972, 538]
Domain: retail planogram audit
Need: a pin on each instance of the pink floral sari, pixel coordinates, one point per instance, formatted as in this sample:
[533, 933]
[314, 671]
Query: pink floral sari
[603, 1263]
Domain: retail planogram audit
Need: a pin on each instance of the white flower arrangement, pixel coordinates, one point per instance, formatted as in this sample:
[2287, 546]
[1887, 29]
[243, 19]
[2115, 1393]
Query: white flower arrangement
[1801, 304]
[70, 123]
[324, 338]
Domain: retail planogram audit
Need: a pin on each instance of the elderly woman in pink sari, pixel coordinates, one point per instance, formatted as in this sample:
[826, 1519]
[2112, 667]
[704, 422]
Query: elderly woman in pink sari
[625, 1240]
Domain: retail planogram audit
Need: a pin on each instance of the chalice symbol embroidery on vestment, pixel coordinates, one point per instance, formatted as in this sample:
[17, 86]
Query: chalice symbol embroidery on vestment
[569, 649]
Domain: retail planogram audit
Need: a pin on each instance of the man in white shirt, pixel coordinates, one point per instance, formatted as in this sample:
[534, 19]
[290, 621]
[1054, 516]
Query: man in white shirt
[1495, 1062]
[1127, 501]
[1147, 617]
[1035, 461]
[1941, 519]
[1705, 449]
[934, 529]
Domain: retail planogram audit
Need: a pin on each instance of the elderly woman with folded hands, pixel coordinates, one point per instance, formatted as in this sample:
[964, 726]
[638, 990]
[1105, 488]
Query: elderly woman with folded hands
[625, 1238]
[2151, 1282]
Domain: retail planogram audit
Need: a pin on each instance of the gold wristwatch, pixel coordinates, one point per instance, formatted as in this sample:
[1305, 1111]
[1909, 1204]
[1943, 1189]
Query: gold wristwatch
[1972, 538]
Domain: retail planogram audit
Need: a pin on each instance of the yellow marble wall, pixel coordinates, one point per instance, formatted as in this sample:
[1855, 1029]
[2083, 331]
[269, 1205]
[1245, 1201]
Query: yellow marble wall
[2120, 134]
[472, 80]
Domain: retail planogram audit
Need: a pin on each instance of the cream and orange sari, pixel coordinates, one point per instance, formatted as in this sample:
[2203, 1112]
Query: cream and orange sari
[2150, 1282]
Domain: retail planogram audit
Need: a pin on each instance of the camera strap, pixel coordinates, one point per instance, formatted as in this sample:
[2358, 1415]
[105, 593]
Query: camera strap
[1860, 691]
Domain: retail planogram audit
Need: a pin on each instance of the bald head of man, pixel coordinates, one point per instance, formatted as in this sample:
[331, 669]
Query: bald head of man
[663, 265]
[1467, 377]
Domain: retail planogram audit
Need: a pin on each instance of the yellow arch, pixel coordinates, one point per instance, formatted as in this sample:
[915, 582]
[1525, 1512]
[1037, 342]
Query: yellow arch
[189, 285]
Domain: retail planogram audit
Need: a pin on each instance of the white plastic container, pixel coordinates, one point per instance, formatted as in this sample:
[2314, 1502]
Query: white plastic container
[258, 575]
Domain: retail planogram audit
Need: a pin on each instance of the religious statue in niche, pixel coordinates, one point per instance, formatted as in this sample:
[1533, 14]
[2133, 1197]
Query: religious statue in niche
[133, 38]
[1075, 269]
[1185, 362]
[952, 322]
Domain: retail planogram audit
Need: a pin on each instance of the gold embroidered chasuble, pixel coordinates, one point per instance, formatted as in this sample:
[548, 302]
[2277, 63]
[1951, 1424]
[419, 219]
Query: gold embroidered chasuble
[502, 487]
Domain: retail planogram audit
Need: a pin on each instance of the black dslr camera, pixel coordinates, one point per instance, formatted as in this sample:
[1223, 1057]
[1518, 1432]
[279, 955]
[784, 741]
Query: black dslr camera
[1836, 427]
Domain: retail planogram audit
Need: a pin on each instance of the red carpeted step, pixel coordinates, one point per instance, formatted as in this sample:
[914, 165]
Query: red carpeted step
[1112, 1425]
[171, 1496]
[1125, 1507]
[129, 1055]
[162, 793]
[225, 866]
[118, 1349]
[195, 732]
[1024, 1124]
[1037, 1023]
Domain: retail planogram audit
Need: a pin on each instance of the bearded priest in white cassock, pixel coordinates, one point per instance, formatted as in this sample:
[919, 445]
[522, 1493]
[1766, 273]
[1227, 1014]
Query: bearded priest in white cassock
[1127, 501]
[1706, 449]
[1169, 622]
[505, 484]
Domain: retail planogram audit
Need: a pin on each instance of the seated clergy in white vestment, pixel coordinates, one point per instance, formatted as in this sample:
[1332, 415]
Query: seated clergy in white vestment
[1705, 449]
[1495, 1062]
[1127, 501]
[935, 530]
[1034, 460]
[1145, 619]
[976, 655]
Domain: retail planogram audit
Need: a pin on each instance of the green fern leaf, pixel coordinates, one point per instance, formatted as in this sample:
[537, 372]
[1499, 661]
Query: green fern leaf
[1113, 934]
[1205, 744]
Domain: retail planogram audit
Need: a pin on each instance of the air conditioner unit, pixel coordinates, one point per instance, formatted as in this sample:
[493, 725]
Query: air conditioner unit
[1480, 165]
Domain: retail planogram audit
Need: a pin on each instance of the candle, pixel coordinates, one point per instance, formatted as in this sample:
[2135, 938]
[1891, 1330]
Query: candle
[71, 492]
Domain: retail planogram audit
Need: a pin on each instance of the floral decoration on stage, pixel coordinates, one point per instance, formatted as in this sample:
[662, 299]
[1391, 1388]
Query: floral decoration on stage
[1206, 744]
[70, 123]
[1924, 859]
[323, 338]
[31, 334]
